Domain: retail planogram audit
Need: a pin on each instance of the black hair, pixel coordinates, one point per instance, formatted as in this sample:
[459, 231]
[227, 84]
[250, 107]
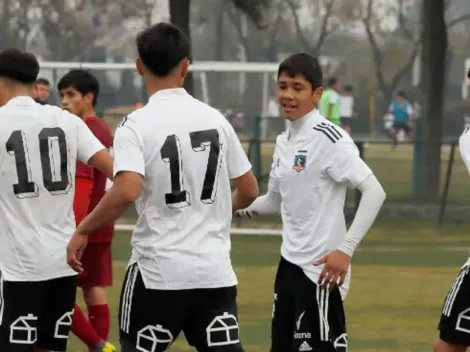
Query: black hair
[468, 73]
[305, 65]
[43, 81]
[332, 81]
[161, 48]
[83, 81]
[349, 88]
[19, 66]
[401, 93]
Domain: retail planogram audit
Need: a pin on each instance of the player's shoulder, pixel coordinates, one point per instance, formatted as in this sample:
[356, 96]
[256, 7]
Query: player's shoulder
[464, 138]
[325, 131]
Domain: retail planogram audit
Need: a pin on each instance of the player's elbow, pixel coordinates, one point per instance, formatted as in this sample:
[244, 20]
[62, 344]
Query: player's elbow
[128, 185]
[103, 161]
[247, 188]
[372, 188]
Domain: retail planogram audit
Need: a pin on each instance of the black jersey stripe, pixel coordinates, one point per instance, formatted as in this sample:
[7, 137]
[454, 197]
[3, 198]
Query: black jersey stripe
[327, 133]
[332, 128]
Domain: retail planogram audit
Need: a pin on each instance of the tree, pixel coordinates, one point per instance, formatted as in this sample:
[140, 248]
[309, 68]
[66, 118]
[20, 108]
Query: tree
[407, 34]
[434, 48]
[373, 22]
[180, 16]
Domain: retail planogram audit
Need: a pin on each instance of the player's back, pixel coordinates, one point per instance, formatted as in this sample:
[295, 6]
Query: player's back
[185, 206]
[38, 151]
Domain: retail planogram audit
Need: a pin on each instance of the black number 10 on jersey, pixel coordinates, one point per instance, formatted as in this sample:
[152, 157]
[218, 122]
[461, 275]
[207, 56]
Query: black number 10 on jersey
[171, 154]
[17, 146]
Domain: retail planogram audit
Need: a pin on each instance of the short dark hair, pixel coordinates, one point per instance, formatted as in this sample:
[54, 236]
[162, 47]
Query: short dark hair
[332, 81]
[43, 81]
[19, 66]
[401, 93]
[161, 48]
[468, 73]
[83, 81]
[349, 88]
[305, 65]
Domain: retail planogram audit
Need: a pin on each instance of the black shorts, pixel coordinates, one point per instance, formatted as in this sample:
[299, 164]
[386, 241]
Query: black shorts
[151, 320]
[36, 314]
[397, 126]
[454, 326]
[306, 317]
[345, 121]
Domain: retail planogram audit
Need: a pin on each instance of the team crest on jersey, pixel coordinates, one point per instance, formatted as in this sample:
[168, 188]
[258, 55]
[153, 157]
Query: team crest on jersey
[300, 161]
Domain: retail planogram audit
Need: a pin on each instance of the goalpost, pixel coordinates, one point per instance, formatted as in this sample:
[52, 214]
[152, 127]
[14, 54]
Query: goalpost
[268, 71]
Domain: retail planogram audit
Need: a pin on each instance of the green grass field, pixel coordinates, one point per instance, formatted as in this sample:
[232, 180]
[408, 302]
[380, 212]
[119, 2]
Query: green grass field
[394, 171]
[401, 274]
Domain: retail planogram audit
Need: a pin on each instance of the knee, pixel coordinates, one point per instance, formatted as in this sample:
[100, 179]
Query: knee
[442, 346]
[94, 296]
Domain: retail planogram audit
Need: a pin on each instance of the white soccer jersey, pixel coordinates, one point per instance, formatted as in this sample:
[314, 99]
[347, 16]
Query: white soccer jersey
[464, 146]
[313, 165]
[187, 153]
[40, 145]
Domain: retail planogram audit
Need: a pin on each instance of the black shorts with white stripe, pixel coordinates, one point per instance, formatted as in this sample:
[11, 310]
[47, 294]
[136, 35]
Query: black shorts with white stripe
[151, 320]
[454, 326]
[306, 317]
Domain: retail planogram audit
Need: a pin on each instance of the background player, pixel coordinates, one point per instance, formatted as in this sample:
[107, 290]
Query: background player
[402, 112]
[39, 146]
[79, 92]
[454, 334]
[175, 157]
[313, 165]
[41, 91]
[330, 100]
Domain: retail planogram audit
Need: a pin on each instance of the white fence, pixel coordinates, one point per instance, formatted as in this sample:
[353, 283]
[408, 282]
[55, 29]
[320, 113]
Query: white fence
[233, 231]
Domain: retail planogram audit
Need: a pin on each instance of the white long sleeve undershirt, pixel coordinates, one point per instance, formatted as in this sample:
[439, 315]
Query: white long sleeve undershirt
[372, 198]
[267, 204]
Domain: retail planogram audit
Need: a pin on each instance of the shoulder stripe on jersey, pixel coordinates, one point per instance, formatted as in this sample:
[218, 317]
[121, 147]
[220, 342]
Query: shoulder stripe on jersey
[332, 128]
[466, 129]
[330, 131]
[122, 122]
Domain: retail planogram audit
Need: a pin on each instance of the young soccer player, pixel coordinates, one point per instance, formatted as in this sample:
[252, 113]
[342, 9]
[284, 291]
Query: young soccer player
[454, 328]
[346, 108]
[313, 164]
[330, 102]
[175, 158]
[79, 91]
[39, 147]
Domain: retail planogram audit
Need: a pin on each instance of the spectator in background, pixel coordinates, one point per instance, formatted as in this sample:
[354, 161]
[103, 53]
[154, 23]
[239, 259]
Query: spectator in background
[402, 112]
[41, 91]
[329, 103]
[273, 113]
[346, 108]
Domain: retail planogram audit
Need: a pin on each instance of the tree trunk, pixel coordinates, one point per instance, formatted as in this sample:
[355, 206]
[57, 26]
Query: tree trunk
[180, 11]
[433, 67]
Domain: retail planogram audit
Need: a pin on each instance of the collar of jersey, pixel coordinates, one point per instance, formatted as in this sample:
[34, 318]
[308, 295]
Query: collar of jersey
[296, 127]
[21, 100]
[168, 93]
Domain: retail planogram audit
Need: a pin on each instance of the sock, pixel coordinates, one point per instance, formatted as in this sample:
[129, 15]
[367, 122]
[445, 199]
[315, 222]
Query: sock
[100, 320]
[83, 330]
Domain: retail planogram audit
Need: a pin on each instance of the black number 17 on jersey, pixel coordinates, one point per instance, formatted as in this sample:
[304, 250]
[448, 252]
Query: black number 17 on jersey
[171, 154]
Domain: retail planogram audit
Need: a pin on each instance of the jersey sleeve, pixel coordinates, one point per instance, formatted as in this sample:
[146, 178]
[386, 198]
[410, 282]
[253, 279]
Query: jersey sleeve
[101, 131]
[87, 144]
[237, 161]
[128, 150]
[334, 98]
[346, 166]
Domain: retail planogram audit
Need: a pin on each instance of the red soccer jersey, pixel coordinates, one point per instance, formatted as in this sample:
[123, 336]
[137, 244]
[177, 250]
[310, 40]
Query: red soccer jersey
[102, 131]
